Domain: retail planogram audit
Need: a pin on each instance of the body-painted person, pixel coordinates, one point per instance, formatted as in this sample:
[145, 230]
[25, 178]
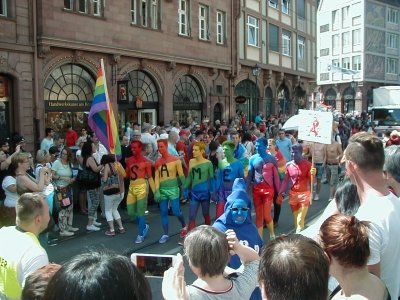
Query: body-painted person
[200, 183]
[229, 169]
[298, 180]
[237, 216]
[138, 170]
[167, 170]
[263, 174]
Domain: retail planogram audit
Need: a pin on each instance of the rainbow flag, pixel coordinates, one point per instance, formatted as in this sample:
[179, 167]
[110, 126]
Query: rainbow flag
[101, 116]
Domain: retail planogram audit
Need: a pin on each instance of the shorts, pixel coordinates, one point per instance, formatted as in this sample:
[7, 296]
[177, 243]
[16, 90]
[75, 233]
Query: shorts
[299, 198]
[200, 196]
[169, 193]
[137, 192]
[320, 171]
[334, 171]
[262, 192]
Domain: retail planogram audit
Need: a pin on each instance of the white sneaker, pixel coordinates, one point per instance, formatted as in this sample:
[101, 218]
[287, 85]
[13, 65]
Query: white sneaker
[92, 228]
[95, 223]
[66, 233]
[316, 197]
[73, 229]
[139, 239]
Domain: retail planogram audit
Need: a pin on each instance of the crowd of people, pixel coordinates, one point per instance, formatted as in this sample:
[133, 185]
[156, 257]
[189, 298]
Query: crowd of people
[238, 166]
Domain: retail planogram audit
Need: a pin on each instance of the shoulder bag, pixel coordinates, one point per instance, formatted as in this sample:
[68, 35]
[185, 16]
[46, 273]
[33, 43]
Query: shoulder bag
[112, 184]
[87, 178]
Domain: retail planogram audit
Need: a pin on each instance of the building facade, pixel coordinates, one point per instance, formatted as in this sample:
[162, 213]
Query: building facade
[276, 47]
[358, 50]
[164, 60]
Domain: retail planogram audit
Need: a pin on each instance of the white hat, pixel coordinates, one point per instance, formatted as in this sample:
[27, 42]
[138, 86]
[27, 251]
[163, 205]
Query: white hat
[164, 136]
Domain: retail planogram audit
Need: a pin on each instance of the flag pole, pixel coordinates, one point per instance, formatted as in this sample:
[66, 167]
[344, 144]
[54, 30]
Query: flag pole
[312, 154]
[108, 112]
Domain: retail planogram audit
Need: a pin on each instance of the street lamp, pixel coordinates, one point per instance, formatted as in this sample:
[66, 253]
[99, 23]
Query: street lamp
[354, 85]
[256, 71]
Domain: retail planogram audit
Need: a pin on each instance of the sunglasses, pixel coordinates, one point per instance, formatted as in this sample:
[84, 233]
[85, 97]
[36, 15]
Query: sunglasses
[241, 209]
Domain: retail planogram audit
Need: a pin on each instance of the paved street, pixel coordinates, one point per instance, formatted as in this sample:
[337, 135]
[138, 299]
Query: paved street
[124, 243]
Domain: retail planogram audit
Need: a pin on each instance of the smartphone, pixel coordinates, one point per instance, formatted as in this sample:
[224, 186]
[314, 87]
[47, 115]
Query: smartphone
[153, 265]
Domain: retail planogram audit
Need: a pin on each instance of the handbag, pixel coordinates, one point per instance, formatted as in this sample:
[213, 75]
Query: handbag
[112, 184]
[63, 197]
[88, 179]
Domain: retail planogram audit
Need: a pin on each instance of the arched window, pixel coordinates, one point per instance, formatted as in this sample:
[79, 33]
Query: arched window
[187, 100]
[69, 82]
[269, 98]
[283, 98]
[248, 89]
[140, 84]
[330, 97]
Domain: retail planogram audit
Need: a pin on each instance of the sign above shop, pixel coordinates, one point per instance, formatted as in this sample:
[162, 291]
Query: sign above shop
[240, 99]
[57, 105]
[187, 105]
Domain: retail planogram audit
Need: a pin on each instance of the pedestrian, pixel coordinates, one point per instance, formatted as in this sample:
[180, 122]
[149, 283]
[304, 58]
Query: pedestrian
[113, 179]
[298, 180]
[138, 170]
[23, 253]
[167, 171]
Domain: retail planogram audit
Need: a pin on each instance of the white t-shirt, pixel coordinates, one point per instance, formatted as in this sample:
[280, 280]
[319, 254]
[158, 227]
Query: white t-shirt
[11, 198]
[63, 171]
[384, 238]
[24, 250]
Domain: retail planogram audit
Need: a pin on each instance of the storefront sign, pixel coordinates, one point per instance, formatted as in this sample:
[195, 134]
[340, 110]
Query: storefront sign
[68, 104]
[240, 99]
[187, 105]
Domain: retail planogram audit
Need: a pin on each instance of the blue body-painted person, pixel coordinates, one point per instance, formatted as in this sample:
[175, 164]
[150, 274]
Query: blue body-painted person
[237, 216]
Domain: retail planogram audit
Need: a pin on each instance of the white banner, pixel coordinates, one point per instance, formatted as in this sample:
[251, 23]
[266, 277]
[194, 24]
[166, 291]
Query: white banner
[316, 127]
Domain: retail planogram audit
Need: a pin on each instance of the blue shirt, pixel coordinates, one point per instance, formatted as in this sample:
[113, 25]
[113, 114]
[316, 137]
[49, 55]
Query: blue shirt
[285, 146]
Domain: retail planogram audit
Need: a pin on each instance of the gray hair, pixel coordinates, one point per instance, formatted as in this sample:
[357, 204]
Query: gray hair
[392, 161]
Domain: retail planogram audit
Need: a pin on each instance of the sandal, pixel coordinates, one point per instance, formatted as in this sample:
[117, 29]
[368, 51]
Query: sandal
[110, 233]
[121, 230]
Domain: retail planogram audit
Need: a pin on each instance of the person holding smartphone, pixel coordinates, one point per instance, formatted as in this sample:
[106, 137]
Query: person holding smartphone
[208, 251]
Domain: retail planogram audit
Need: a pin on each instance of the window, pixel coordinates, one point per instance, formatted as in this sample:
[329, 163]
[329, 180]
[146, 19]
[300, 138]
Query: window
[203, 22]
[301, 11]
[273, 3]
[324, 28]
[92, 7]
[252, 31]
[183, 13]
[301, 48]
[220, 27]
[324, 52]
[335, 19]
[335, 62]
[82, 6]
[68, 4]
[154, 14]
[143, 13]
[345, 17]
[286, 45]
[345, 39]
[391, 66]
[273, 38]
[346, 63]
[356, 20]
[356, 37]
[392, 40]
[96, 8]
[393, 15]
[133, 11]
[357, 63]
[335, 44]
[285, 6]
